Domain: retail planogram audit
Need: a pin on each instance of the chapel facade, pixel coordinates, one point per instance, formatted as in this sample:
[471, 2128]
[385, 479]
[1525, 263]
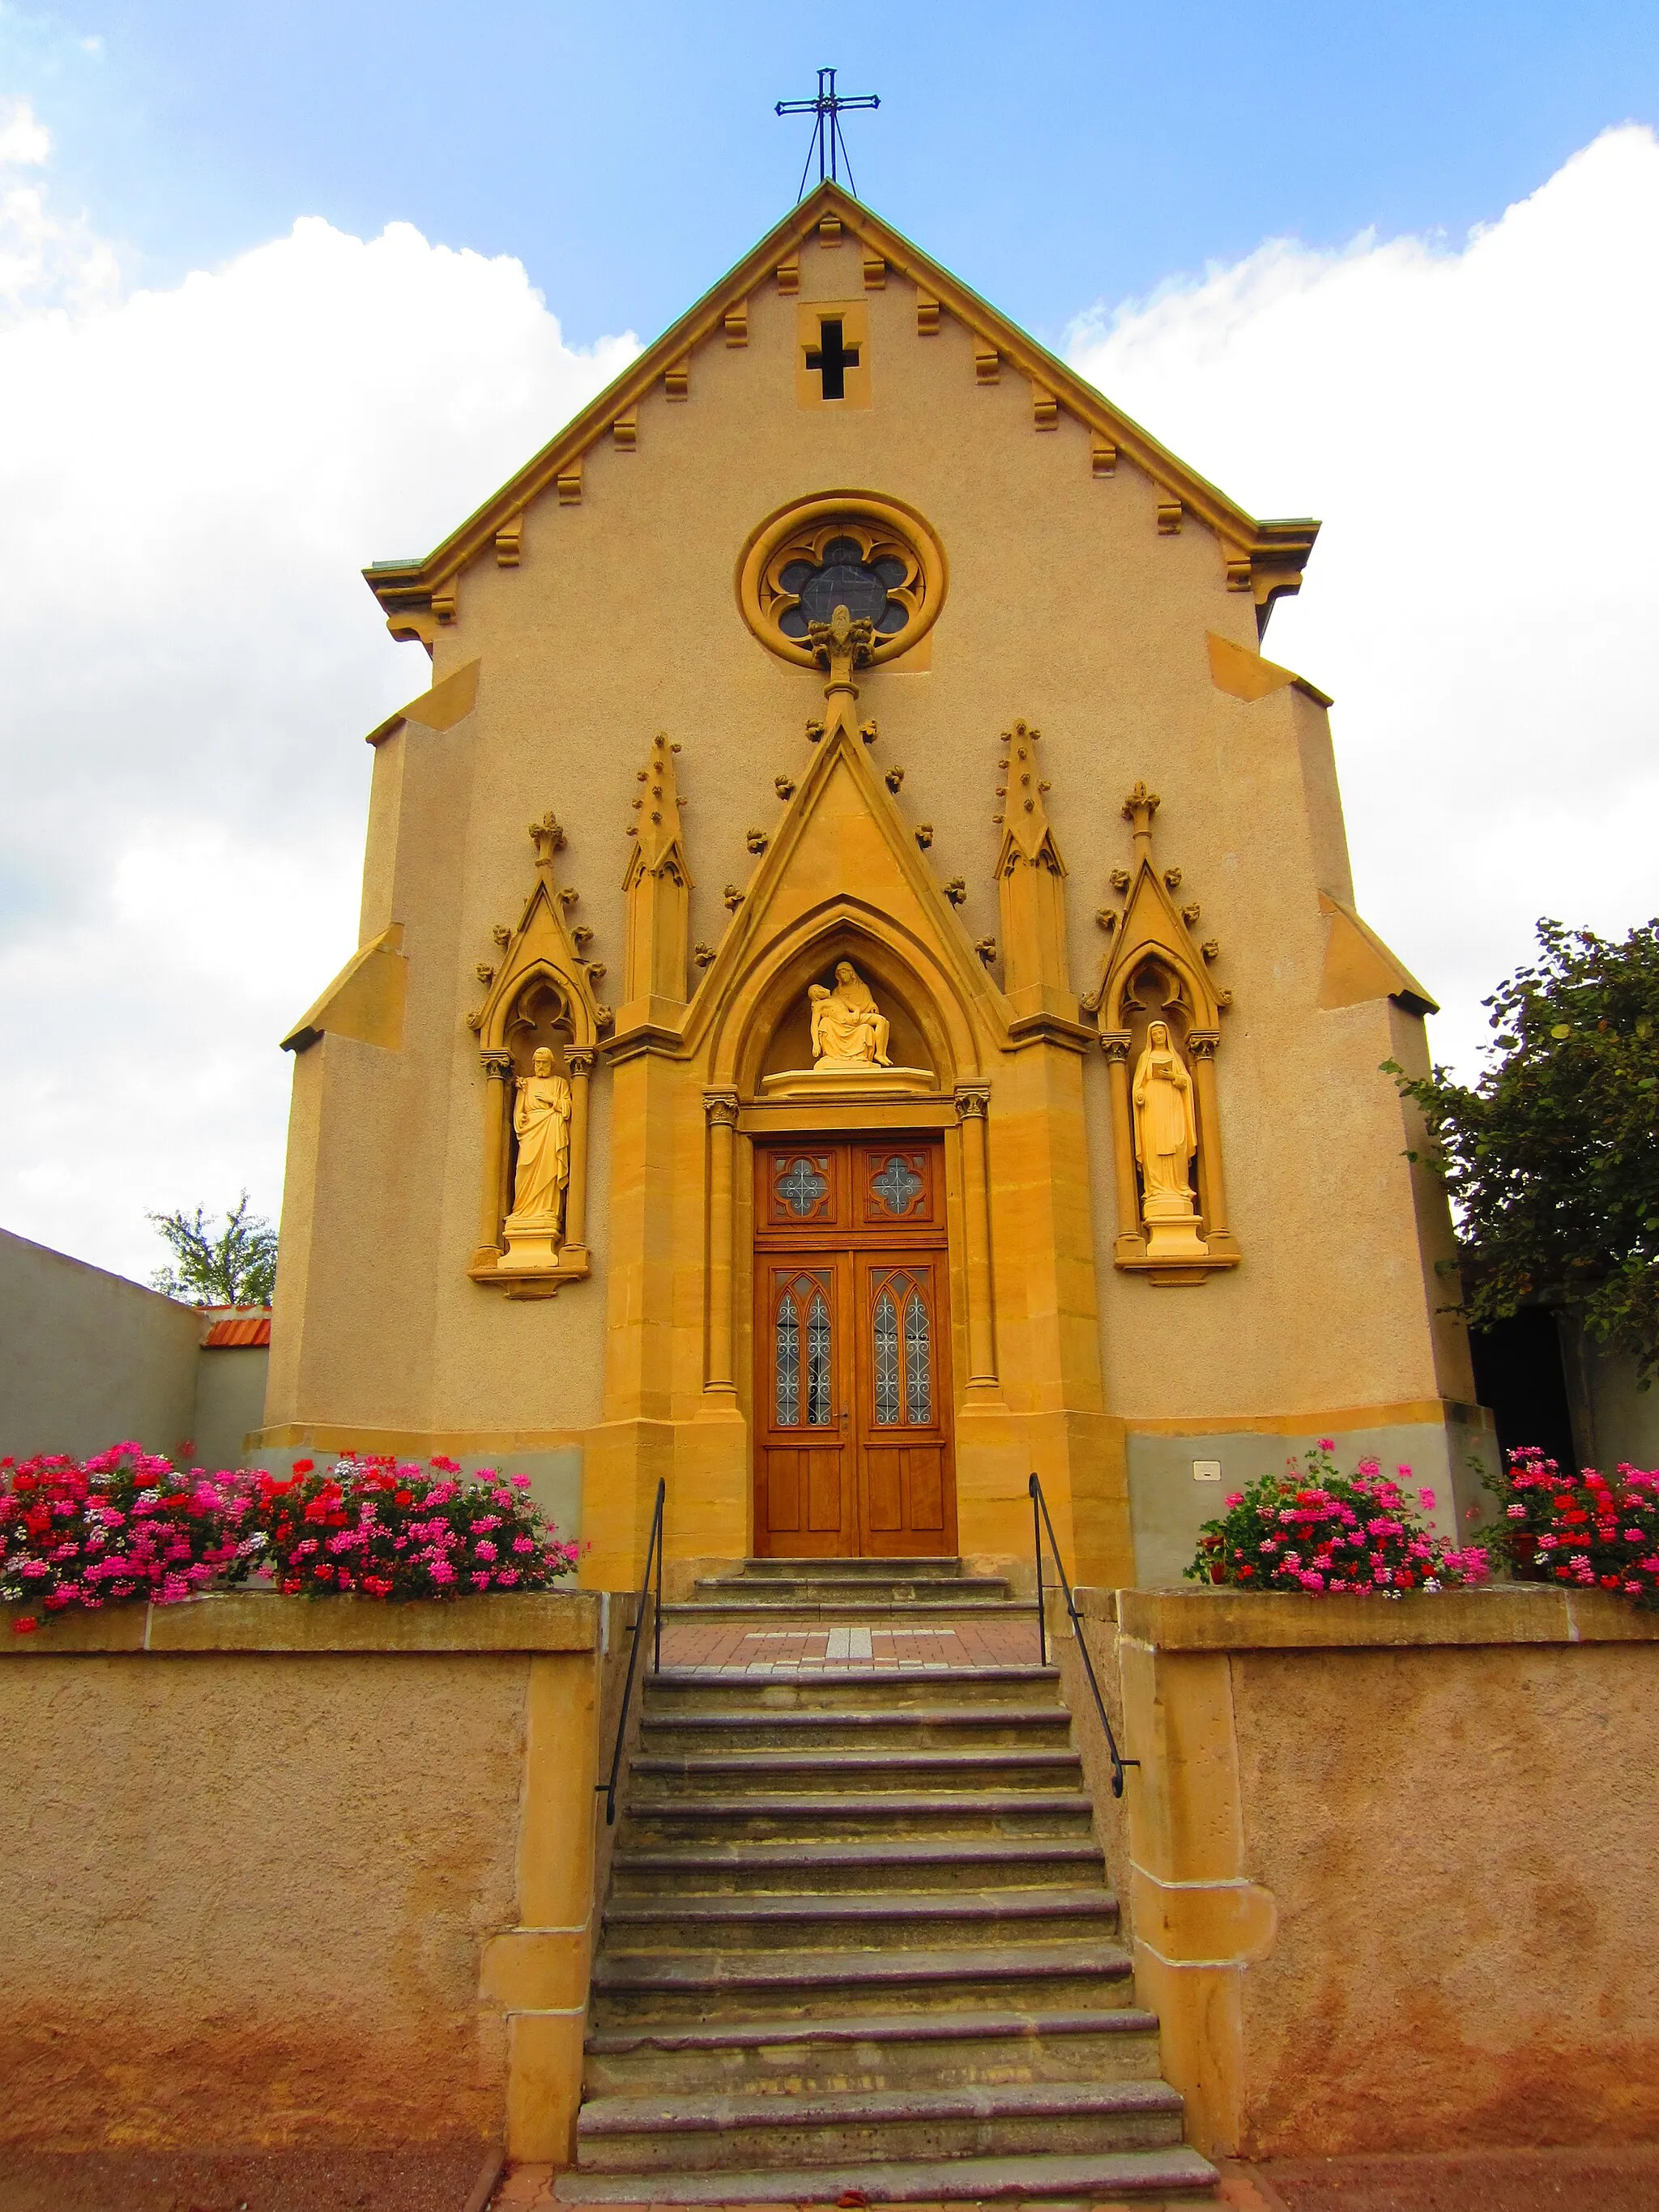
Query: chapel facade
[859, 996]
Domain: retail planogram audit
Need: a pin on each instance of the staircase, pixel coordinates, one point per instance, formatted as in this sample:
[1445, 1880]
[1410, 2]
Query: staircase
[860, 1937]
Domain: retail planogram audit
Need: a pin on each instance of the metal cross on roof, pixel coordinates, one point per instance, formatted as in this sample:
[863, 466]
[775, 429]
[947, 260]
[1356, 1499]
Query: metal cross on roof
[827, 141]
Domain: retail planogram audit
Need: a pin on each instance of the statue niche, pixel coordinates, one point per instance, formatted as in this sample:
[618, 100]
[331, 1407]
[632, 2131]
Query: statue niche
[1159, 1016]
[850, 1039]
[537, 1031]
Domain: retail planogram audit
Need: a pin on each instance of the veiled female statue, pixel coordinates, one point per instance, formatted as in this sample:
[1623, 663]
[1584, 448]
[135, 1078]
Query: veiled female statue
[541, 1121]
[848, 1025]
[1166, 1127]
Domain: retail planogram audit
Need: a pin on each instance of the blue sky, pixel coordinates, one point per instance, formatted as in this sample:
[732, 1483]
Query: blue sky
[1051, 157]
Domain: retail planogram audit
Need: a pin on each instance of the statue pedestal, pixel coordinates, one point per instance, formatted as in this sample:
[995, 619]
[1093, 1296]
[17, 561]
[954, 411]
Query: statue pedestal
[532, 1244]
[1173, 1236]
[849, 1079]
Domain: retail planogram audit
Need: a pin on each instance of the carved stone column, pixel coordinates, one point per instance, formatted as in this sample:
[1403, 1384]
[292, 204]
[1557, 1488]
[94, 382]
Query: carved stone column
[720, 1107]
[1212, 1176]
[972, 1101]
[498, 1071]
[1130, 1243]
[580, 1065]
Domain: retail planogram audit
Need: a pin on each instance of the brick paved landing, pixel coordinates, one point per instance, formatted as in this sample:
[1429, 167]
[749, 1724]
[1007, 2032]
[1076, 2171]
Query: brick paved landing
[729, 1648]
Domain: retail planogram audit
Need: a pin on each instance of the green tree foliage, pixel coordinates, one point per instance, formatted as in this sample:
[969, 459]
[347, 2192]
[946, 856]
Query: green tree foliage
[1552, 1160]
[237, 1266]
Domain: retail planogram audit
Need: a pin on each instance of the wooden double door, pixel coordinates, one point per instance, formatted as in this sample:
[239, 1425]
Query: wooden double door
[853, 1429]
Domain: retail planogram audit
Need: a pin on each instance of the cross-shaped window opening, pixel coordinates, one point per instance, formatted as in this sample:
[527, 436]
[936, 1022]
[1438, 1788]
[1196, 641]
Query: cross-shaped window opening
[831, 358]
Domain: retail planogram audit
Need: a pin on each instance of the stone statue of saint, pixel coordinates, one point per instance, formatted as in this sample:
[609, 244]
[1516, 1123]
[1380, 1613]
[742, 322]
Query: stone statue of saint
[1166, 1128]
[541, 1121]
[848, 1025]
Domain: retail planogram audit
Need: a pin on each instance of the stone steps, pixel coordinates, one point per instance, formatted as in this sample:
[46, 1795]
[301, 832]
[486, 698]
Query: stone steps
[765, 1770]
[804, 1816]
[653, 2134]
[629, 1985]
[944, 1729]
[865, 1593]
[871, 1918]
[873, 1611]
[939, 2049]
[827, 1592]
[828, 1869]
[861, 1936]
[1175, 2175]
[872, 1569]
[826, 1691]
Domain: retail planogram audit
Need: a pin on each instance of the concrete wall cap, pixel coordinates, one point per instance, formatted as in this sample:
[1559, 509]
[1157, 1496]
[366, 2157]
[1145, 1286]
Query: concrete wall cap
[534, 1621]
[1272, 1621]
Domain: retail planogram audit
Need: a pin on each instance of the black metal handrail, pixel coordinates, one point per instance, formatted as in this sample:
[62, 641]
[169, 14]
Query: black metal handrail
[653, 1554]
[1040, 1521]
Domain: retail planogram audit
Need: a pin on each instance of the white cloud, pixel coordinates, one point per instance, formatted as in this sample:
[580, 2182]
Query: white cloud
[191, 480]
[24, 141]
[46, 260]
[1478, 429]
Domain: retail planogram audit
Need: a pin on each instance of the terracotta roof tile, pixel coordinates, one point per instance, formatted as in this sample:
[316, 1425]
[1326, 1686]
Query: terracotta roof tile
[237, 1329]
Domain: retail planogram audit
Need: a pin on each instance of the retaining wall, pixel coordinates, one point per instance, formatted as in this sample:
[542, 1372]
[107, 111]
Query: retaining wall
[277, 1873]
[1387, 1865]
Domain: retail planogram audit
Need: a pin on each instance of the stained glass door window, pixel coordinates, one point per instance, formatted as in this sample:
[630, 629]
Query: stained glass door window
[902, 1350]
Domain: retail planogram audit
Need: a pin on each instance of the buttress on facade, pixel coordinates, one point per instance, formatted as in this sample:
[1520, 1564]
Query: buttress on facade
[852, 671]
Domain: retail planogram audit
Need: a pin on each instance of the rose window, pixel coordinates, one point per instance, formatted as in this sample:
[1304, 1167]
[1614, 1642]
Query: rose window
[873, 557]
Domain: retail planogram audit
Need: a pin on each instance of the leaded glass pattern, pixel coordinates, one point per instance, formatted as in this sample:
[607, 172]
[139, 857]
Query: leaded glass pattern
[898, 1186]
[887, 1360]
[788, 1363]
[817, 1362]
[801, 1187]
[918, 1362]
[842, 577]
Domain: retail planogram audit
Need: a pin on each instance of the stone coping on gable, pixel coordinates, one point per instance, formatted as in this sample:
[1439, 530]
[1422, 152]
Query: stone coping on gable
[262, 1621]
[1274, 1620]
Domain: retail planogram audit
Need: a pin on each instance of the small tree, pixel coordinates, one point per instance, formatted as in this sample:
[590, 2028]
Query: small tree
[237, 1267]
[1552, 1158]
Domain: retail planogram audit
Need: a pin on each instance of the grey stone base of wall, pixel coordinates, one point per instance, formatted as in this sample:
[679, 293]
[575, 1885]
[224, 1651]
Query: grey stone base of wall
[1178, 1483]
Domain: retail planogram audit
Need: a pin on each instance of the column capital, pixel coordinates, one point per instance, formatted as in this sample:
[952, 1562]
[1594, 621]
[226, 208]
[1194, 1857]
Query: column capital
[973, 1101]
[1202, 1043]
[1115, 1044]
[580, 1060]
[720, 1107]
[498, 1066]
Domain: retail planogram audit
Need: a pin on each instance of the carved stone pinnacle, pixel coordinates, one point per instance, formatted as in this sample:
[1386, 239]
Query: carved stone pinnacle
[547, 836]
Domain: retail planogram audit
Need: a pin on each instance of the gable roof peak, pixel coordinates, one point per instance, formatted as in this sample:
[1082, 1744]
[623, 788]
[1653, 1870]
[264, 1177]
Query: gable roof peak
[1263, 557]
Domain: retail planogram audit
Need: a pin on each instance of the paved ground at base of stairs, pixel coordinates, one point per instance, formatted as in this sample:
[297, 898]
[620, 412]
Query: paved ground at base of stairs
[442, 2180]
[1620, 2180]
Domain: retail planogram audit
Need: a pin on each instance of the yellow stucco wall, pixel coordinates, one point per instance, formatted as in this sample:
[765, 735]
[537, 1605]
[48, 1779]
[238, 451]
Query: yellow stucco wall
[1068, 607]
[275, 1874]
[1377, 1862]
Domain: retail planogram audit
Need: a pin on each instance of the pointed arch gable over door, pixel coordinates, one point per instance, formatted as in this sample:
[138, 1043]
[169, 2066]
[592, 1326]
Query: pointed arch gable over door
[854, 1432]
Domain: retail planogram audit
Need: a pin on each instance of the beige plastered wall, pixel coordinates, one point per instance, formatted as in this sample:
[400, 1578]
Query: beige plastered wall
[1066, 606]
[88, 1359]
[1382, 1864]
[276, 1874]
